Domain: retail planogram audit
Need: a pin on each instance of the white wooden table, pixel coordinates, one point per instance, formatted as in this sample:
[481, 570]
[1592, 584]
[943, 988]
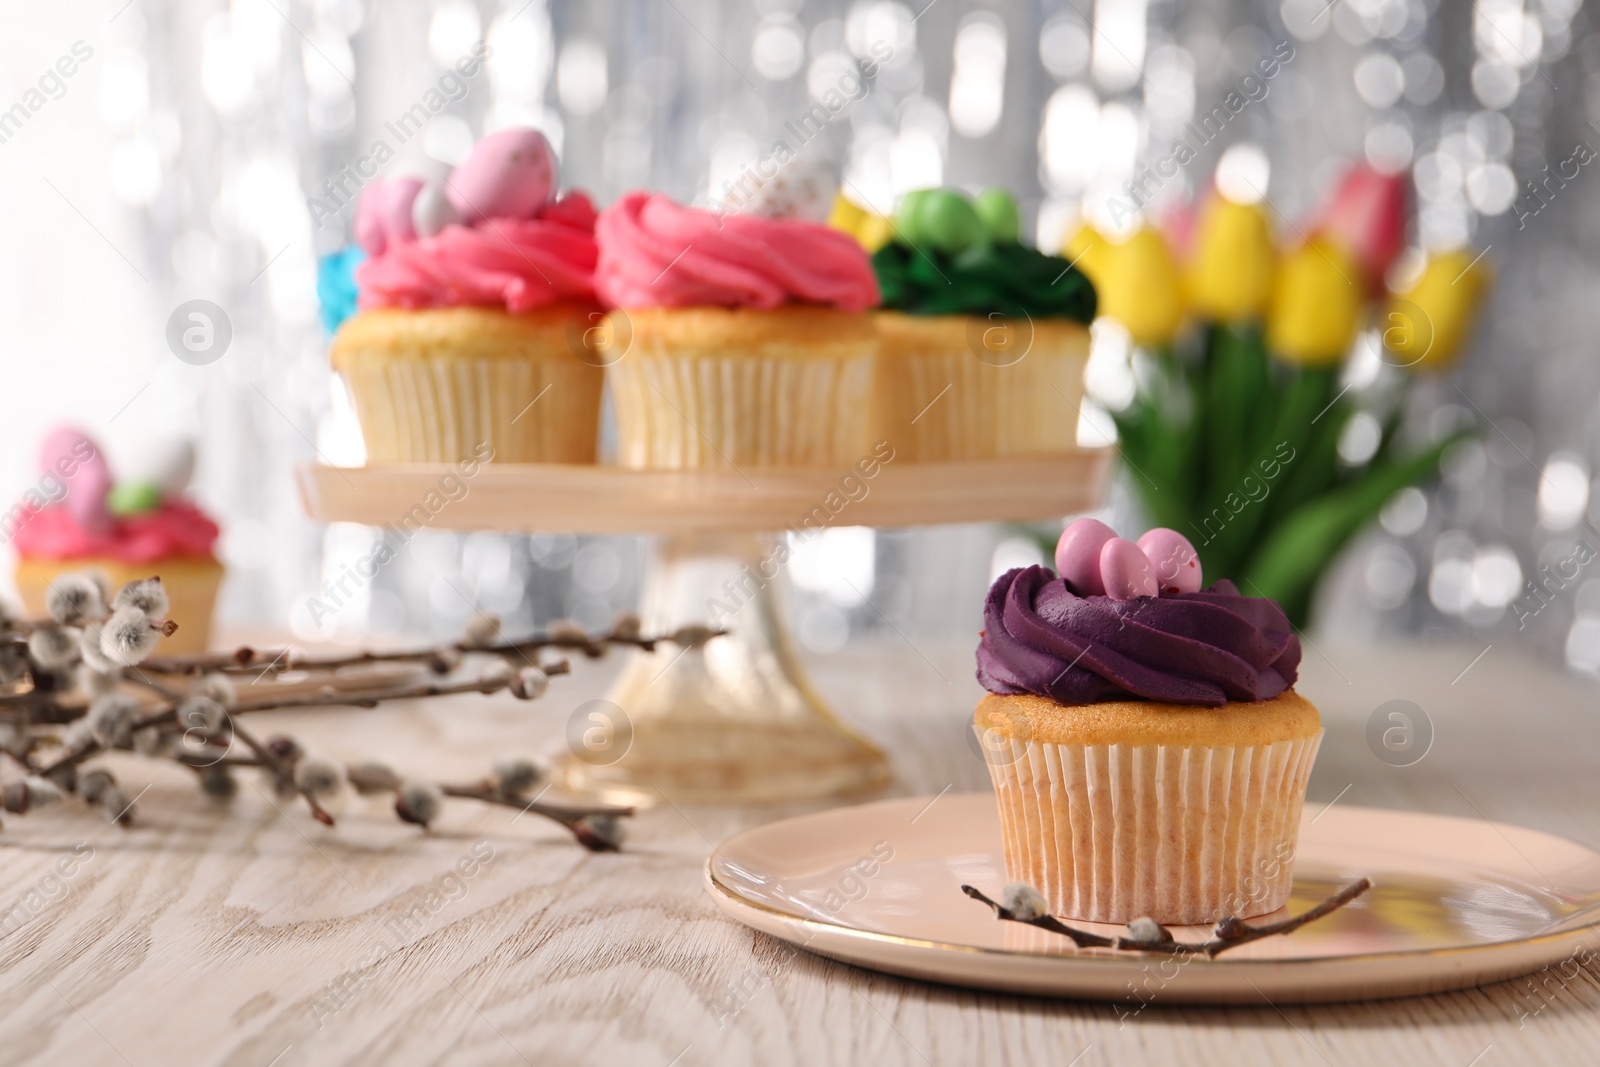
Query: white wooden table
[248, 937]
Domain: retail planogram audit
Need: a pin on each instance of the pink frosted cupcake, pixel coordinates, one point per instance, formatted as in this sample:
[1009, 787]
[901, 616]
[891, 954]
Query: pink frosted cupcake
[476, 303]
[739, 339]
[80, 520]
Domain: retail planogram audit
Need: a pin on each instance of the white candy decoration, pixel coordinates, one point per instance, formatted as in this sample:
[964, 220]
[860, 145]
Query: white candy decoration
[432, 211]
[166, 462]
[802, 188]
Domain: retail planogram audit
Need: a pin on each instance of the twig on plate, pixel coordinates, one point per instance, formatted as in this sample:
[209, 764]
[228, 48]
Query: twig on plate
[1026, 905]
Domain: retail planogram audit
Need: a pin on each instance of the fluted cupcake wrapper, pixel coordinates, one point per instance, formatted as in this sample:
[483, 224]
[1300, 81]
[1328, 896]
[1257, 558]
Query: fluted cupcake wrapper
[950, 406]
[444, 409]
[746, 410]
[942, 393]
[1183, 834]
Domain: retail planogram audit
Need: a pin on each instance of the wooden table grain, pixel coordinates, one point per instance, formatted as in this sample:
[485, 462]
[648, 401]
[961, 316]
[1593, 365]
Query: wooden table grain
[254, 937]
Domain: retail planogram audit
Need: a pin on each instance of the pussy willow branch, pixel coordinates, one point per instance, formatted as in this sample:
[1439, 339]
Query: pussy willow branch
[346, 698]
[139, 678]
[44, 697]
[1228, 933]
[265, 757]
[197, 761]
[70, 759]
[369, 698]
[262, 758]
[361, 698]
[561, 813]
[571, 816]
[16, 630]
[246, 660]
[363, 778]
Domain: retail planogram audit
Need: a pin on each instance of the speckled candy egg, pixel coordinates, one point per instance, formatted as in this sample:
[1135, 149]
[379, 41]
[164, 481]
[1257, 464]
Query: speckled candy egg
[998, 210]
[942, 218]
[71, 456]
[508, 174]
[371, 233]
[1126, 571]
[803, 188]
[1176, 563]
[394, 205]
[1078, 555]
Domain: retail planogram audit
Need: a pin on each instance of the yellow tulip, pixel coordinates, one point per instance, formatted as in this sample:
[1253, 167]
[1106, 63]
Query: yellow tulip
[1429, 324]
[1230, 277]
[871, 231]
[846, 214]
[1316, 305]
[1138, 286]
[874, 231]
[1085, 248]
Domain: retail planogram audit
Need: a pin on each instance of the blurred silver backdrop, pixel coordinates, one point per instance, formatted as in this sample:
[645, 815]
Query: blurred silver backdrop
[223, 119]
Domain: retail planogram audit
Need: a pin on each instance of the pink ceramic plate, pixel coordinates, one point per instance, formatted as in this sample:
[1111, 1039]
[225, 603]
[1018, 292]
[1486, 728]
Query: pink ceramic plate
[1455, 903]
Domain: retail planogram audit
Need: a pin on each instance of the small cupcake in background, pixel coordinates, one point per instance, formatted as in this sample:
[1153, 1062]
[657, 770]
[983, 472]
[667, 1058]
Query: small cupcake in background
[475, 299]
[1147, 747]
[739, 338]
[77, 519]
[983, 340]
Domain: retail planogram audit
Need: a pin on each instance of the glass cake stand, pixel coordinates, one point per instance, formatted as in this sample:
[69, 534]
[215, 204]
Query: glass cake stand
[735, 720]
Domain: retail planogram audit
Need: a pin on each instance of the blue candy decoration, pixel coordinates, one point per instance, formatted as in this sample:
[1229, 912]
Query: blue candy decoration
[336, 284]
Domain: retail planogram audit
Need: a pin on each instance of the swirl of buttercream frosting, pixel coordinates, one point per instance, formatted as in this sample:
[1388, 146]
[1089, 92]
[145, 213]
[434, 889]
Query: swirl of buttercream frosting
[656, 253]
[1205, 648]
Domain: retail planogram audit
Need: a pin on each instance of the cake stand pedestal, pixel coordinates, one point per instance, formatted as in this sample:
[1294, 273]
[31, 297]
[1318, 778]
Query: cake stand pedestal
[734, 721]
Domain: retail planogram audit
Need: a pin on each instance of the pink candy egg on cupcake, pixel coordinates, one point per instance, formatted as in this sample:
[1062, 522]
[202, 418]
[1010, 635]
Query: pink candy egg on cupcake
[1094, 561]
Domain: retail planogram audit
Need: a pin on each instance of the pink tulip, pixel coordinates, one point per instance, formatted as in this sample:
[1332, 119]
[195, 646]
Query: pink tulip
[1177, 225]
[1366, 218]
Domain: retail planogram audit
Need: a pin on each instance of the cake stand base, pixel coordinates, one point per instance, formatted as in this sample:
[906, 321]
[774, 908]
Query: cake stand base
[732, 722]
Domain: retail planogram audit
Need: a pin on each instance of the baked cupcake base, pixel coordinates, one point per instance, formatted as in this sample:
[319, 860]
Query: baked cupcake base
[191, 583]
[1127, 808]
[710, 386]
[948, 388]
[435, 385]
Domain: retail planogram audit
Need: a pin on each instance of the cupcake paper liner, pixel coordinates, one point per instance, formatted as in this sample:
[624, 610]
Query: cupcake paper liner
[943, 403]
[1183, 834]
[744, 409]
[440, 410]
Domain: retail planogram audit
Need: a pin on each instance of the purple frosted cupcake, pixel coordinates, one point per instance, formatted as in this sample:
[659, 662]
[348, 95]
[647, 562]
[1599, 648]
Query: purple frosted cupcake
[1147, 746]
